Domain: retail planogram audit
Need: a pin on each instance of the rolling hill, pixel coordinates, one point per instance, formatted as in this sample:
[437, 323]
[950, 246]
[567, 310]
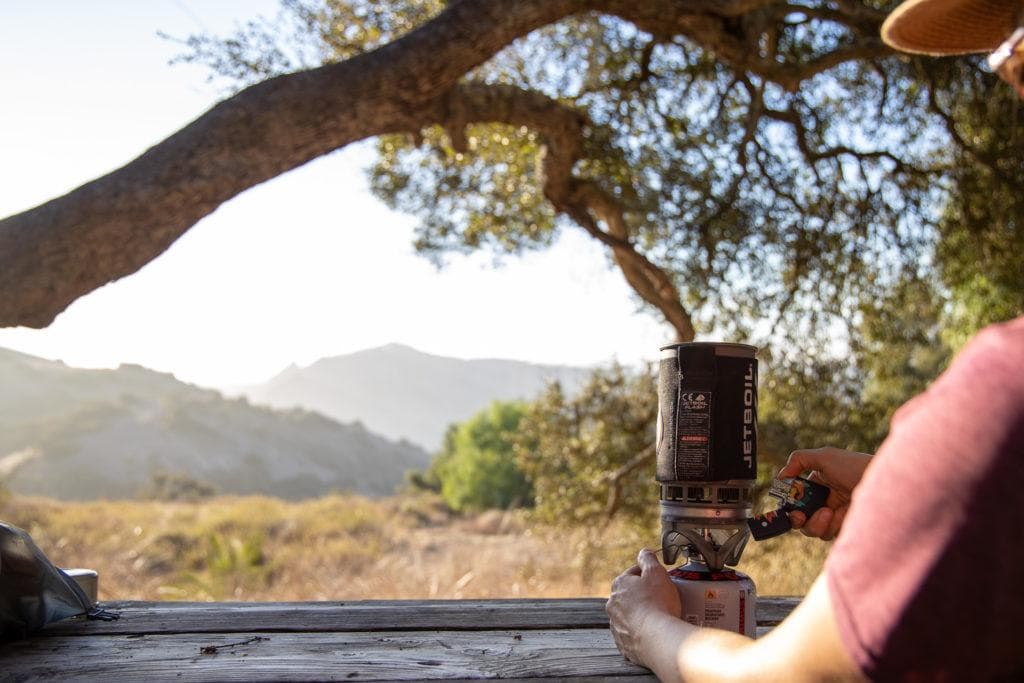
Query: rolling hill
[80, 434]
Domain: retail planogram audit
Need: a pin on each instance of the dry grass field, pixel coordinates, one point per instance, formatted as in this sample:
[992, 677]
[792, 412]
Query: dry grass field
[346, 547]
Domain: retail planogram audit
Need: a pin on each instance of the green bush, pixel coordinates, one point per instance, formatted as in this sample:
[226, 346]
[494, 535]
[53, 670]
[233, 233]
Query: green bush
[476, 468]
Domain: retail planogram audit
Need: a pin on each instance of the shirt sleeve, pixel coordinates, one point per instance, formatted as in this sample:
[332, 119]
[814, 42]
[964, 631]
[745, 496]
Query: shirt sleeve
[925, 577]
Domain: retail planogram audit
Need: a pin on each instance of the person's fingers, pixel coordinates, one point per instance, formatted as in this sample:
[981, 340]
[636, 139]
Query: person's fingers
[618, 642]
[836, 498]
[806, 459]
[840, 517]
[648, 561]
[817, 525]
[793, 467]
[797, 519]
[835, 524]
[628, 575]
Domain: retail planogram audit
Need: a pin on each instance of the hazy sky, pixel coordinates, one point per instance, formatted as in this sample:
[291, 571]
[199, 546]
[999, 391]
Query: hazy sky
[304, 266]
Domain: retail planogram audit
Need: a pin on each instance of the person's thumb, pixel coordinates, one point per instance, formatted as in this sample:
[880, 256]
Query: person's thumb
[648, 562]
[802, 460]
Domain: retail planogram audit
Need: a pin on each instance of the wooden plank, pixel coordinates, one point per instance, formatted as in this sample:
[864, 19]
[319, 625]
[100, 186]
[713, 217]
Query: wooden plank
[370, 615]
[401, 655]
[772, 609]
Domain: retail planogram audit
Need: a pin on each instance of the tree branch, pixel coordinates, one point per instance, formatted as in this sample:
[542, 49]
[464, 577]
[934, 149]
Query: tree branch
[720, 29]
[812, 156]
[586, 203]
[615, 478]
[112, 226]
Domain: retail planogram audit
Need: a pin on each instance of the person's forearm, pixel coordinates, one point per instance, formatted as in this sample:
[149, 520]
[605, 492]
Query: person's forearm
[678, 651]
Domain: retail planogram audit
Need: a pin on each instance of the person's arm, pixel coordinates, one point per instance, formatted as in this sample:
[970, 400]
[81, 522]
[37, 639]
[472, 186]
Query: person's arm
[644, 613]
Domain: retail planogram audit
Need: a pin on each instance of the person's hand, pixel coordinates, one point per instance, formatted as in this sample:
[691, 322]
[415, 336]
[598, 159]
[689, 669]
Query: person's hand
[641, 592]
[839, 470]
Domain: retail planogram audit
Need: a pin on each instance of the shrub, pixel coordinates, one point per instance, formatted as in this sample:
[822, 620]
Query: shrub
[476, 468]
[176, 486]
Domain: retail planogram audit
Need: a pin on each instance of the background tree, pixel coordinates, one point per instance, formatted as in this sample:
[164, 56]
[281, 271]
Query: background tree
[760, 178]
[980, 246]
[476, 467]
[590, 454]
[743, 161]
[585, 453]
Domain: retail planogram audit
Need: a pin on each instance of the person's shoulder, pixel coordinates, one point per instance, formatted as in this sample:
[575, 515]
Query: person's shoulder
[996, 349]
[1007, 337]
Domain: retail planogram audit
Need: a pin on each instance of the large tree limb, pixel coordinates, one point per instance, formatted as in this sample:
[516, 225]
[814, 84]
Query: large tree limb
[112, 226]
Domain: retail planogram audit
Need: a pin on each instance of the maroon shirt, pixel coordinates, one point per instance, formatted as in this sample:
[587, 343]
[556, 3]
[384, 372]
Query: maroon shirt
[927, 576]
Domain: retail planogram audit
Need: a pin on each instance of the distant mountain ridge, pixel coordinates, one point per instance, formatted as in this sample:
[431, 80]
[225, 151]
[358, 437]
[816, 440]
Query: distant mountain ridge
[80, 434]
[403, 393]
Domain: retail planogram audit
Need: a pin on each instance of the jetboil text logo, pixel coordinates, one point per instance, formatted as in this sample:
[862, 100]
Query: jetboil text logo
[748, 416]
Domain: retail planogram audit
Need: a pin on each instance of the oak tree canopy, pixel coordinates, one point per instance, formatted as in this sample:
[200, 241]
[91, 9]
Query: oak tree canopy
[754, 168]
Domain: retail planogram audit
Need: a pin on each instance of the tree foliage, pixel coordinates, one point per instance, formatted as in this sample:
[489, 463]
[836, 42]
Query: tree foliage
[591, 454]
[979, 255]
[756, 174]
[755, 168]
[587, 452]
[476, 467]
[759, 198]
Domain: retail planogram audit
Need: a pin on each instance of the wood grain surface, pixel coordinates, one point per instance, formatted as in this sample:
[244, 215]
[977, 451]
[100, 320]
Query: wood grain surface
[453, 640]
[365, 656]
[365, 615]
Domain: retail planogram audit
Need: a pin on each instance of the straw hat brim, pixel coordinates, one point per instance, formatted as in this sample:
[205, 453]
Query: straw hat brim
[950, 27]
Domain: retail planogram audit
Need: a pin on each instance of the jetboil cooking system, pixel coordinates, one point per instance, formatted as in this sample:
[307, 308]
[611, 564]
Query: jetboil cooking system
[706, 469]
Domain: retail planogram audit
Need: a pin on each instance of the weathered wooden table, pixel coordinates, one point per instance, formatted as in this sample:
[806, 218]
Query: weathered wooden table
[521, 640]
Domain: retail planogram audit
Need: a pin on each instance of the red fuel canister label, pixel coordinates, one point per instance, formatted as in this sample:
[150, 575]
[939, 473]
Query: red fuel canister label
[724, 599]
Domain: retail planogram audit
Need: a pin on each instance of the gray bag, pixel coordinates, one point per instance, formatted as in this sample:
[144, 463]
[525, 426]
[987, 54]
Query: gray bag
[33, 592]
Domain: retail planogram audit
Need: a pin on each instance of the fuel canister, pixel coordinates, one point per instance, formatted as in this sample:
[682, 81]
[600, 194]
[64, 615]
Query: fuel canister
[724, 599]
